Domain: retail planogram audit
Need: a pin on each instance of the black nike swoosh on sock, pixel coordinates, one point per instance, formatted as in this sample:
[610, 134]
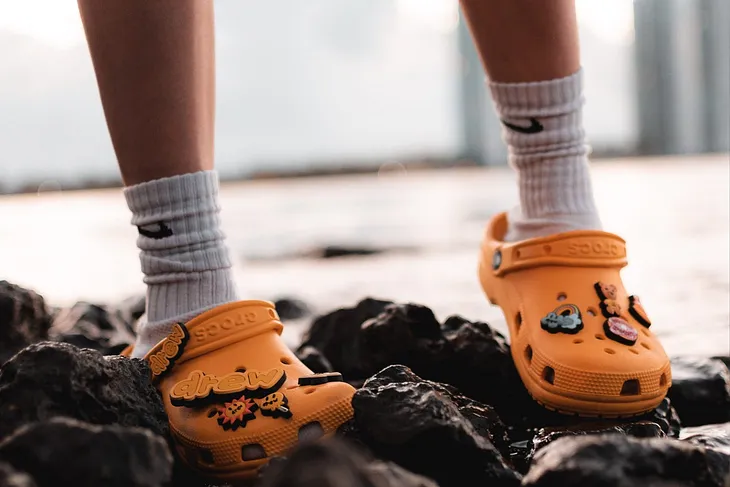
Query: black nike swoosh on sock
[158, 233]
[534, 128]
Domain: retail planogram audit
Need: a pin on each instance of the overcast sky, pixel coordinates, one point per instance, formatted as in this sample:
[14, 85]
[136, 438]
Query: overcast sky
[298, 82]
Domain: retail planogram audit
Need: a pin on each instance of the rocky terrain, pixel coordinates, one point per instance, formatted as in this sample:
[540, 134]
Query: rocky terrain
[437, 404]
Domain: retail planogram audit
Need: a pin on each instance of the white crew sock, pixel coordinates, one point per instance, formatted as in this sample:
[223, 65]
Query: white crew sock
[184, 258]
[543, 128]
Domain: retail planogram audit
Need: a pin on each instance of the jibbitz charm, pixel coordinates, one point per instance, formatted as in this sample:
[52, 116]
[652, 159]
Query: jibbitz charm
[172, 348]
[236, 413]
[619, 330]
[636, 310]
[608, 295]
[275, 405]
[563, 319]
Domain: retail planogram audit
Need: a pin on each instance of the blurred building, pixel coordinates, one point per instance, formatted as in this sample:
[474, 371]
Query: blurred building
[323, 85]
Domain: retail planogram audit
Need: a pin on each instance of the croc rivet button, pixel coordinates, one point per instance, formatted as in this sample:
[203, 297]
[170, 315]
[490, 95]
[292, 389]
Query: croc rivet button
[497, 259]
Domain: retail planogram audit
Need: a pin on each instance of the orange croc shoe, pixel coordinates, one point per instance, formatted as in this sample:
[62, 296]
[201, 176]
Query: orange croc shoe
[236, 396]
[580, 343]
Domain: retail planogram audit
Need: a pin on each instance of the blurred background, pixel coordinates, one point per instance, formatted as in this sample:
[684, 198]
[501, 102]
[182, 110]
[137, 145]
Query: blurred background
[382, 105]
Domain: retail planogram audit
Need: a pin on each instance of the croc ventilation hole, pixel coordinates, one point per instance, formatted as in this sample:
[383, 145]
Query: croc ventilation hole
[592, 312]
[518, 321]
[562, 297]
[212, 412]
[599, 336]
[272, 313]
[663, 380]
[253, 451]
[241, 369]
[646, 333]
[634, 351]
[609, 351]
[310, 390]
[645, 345]
[578, 340]
[547, 249]
[205, 456]
[548, 375]
[631, 387]
[311, 432]
[528, 354]
[285, 360]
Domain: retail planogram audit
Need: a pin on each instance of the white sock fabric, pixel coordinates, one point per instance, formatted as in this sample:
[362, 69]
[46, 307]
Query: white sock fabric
[543, 128]
[184, 258]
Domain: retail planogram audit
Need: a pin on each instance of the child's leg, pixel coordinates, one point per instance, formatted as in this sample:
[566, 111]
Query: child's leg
[531, 54]
[154, 63]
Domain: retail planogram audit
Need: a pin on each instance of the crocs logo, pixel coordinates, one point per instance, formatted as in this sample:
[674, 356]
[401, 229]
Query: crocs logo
[594, 248]
[200, 387]
[228, 323]
[170, 350]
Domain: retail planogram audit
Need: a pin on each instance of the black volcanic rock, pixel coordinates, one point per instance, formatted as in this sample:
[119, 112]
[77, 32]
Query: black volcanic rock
[336, 464]
[24, 319]
[619, 460]
[700, 390]
[57, 379]
[64, 451]
[714, 436]
[9, 477]
[103, 328]
[291, 308]
[430, 429]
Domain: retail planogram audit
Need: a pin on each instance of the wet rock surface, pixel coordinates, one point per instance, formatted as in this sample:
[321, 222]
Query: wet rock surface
[618, 460]
[49, 379]
[336, 464]
[426, 427]
[63, 451]
[24, 319]
[439, 404]
[700, 390]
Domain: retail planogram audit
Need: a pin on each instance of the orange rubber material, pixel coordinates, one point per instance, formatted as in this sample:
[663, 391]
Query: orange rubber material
[236, 395]
[580, 343]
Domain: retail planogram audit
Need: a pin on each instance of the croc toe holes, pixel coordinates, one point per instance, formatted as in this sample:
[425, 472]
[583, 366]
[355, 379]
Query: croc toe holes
[241, 369]
[577, 341]
[592, 312]
[212, 412]
[528, 354]
[254, 451]
[599, 336]
[562, 296]
[285, 360]
[645, 345]
[645, 332]
[631, 387]
[663, 380]
[310, 432]
[609, 351]
[548, 375]
[518, 321]
[634, 351]
[205, 456]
